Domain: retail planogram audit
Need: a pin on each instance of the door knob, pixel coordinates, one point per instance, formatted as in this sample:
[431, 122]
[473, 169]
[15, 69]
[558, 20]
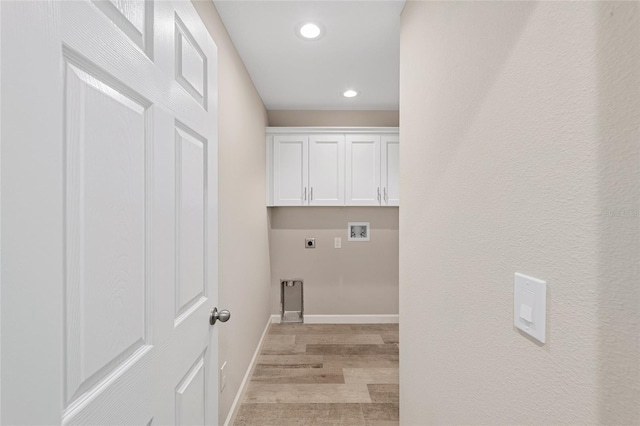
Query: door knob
[222, 316]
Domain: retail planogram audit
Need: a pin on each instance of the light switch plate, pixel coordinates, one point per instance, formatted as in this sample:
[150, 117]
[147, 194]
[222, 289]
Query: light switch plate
[530, 306]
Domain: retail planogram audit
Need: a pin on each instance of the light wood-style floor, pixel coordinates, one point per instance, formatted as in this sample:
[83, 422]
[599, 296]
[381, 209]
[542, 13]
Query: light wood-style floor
[324, 374]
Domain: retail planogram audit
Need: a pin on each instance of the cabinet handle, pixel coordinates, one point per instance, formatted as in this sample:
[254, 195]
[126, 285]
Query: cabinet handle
[305, 193]
[384, 192]
[378, 194]
[311, 196]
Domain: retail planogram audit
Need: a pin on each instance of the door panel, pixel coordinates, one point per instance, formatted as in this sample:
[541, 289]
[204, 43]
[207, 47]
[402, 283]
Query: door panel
[363, 170]
[191, 396]
[326, 170]
[109, 247]
[106, 216]
[190, 219]
[191, 63]
[134, 18]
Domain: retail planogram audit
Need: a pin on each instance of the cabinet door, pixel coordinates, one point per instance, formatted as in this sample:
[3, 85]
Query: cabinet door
[326, 170]
[363, 170]
[290, 165]
[390, 170]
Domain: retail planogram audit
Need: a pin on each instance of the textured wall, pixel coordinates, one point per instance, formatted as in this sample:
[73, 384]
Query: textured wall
[285, 118]
[359, 278]
[243, 247]
[520, 152]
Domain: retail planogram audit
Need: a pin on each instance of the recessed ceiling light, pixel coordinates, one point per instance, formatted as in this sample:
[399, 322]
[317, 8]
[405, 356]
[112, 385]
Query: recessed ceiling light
[350, 93]
[309, 31]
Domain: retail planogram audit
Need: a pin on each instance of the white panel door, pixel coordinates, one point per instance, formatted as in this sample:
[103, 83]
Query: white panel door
[290, 170]
[109, 213]
[363, 170]
[326, 170]
[390, 163]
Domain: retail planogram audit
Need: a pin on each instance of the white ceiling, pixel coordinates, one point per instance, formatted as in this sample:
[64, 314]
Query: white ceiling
[359, 50]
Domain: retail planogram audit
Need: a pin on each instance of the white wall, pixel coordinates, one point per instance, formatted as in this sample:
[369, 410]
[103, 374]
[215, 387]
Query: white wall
[520, 152]
[244, 248]
[359, 278]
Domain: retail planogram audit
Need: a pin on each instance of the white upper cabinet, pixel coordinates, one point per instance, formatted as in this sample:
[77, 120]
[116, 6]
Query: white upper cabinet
[372, 170]
[332, 166]
[326, 170]
[390, 170]
[290, 170]
[308, 170]
[363, 170]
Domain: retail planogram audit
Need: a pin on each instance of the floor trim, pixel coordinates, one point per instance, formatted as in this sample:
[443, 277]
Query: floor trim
[346, 319]
[237, 402]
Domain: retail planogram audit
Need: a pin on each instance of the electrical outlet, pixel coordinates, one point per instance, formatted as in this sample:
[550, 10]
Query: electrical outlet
[310, 243]
[337, 242]
[223, 376]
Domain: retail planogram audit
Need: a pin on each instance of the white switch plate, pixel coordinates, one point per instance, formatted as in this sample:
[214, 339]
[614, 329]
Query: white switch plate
[530, 306]
[337, 242]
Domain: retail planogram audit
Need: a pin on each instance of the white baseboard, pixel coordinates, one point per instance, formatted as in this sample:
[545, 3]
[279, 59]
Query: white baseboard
[346, 319]
[235, 407]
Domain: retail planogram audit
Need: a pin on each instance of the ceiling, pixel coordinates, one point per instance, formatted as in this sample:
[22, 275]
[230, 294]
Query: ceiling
[359, 50]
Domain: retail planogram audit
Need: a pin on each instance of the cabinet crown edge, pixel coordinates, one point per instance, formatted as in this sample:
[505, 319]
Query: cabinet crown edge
[327, 130]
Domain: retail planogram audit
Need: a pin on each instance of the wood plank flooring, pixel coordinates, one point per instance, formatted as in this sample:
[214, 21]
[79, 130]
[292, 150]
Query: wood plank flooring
[324, 375]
